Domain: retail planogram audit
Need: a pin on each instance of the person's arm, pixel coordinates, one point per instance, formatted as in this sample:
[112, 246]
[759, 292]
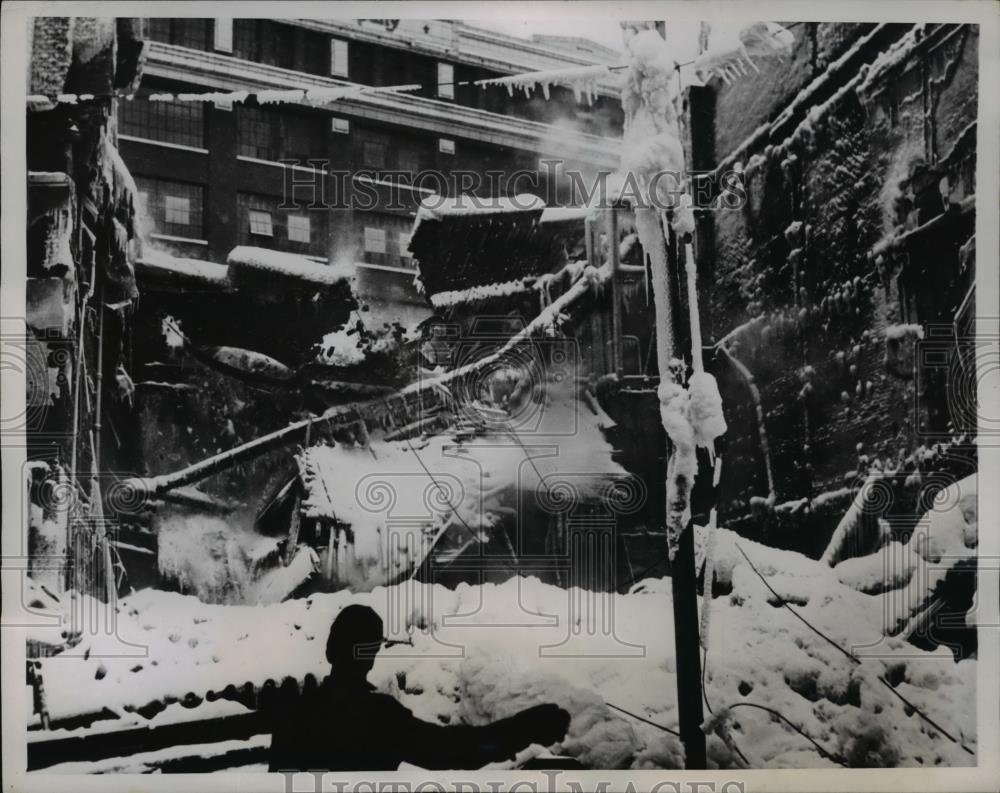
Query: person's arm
[464, 746]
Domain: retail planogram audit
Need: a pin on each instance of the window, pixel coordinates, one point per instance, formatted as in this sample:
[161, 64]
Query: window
[338, 58]
[223, 34]
[410, 160]
[260, 223]
[255, 133]
[446, 146]
[302, 135]
[374, 154]
[173, 208]
[276, 44]
[266, 134]
[341, 125]
[264, 223]
[177, 209]
[386, 239]
[188, 32]
[182, 123]
[298, 228]
[404, 244]
[374, 240]
[446, 81]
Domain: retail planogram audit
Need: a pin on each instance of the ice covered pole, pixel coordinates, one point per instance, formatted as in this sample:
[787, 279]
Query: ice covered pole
[650, 145]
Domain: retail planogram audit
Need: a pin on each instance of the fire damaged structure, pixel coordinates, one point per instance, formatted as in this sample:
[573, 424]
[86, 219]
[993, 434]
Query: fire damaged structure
[280, 449]
[80, 297]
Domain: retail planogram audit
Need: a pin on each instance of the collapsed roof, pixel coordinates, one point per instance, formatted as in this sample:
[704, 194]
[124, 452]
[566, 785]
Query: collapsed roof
[465, 242]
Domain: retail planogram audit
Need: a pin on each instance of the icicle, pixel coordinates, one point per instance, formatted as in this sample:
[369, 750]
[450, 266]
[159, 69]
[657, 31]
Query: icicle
[710, 541]
[545, 89]
[705, 406]
[697, 362]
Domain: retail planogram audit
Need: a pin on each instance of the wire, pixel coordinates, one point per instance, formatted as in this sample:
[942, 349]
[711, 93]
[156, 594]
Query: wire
[644, 720]
[855, 659]
[447, 500]
[725, 734]
[784, 603]
[795, 727]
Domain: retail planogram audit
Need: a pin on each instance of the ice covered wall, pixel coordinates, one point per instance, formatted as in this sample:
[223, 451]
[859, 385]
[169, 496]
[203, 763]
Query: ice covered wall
[848, 152]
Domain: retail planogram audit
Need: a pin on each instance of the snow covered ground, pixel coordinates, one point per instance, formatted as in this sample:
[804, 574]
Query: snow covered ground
[484, 652]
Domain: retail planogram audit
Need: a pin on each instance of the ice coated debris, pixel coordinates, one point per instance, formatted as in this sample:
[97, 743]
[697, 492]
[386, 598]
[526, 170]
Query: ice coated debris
[477, 293]
[906, 575]
[464, 666]
[543, 284]
[351, 345]
[172, 335]
[453, 491]
[208, 557]
[342, 348]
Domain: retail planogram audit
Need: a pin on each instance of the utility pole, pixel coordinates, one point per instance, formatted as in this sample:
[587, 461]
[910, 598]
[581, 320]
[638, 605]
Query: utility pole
[683, 577]
[650, 122]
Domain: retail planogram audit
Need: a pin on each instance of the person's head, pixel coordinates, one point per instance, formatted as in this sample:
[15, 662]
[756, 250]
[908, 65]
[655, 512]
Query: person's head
[355, 639]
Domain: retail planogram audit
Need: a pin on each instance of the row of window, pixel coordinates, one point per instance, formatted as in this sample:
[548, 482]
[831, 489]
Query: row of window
[266, 134]
[265, 41]
[176, 209]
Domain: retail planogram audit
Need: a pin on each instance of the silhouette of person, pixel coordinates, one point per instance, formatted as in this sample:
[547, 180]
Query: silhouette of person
[347, 726]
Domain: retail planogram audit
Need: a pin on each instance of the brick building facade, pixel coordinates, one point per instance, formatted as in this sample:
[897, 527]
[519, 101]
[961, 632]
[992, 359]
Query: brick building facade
[843, 290]
[212, 176]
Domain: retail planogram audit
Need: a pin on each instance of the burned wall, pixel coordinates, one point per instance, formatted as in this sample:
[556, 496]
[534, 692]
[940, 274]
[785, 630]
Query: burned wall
[851, 257]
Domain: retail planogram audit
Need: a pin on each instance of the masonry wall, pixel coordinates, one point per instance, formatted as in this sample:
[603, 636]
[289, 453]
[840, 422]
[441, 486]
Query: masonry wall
[841, 284]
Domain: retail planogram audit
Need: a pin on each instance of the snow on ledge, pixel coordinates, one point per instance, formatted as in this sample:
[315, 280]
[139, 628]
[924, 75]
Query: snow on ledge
[478, 293]
[290, 265]
[208, 272]
[563, 214]
[435, 207]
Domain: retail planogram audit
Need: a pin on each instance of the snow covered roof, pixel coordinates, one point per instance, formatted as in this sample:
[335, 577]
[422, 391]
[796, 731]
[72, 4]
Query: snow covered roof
[247, 262]
[464, 243]
[161, 268]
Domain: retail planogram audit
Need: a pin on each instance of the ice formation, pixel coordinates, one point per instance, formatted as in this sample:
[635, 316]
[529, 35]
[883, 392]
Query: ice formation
[583, 80]
[905, 575]
[446, 484]
[731, 55]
